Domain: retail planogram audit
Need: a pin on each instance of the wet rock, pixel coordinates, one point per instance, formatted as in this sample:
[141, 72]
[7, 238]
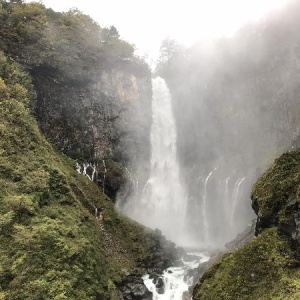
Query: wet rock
[289, 227]
[140, 292]
[133, 288]
[265, 221]
[160, 286]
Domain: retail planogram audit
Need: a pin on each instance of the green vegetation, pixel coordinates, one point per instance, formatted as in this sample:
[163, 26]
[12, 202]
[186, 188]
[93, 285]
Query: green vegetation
[263, 269]
[81, 75]
[278, 186]
[268, 267]
[78, 70]
[51, 245]
[71, 42]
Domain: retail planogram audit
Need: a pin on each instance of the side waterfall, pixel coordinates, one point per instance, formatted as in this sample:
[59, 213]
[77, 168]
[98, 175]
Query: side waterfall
[235, 197]
[162, 204]
[222, 208]
[211, 214]
[204, 209]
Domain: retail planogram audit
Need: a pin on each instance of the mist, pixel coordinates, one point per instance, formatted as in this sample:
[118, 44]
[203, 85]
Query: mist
[235, 109]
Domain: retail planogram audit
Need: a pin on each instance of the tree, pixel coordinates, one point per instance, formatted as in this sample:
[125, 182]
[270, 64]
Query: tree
[167, 48]
[110, 33]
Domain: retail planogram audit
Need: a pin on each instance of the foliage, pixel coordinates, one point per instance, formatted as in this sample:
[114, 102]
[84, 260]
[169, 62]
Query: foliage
[278, 185]
[76, 66]
[51, 245]
[167, 52]
[268, 266]
[71, 42]
[263, 269]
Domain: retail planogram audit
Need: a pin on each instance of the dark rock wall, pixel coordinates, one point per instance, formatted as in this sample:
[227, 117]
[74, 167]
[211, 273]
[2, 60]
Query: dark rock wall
[106, 117]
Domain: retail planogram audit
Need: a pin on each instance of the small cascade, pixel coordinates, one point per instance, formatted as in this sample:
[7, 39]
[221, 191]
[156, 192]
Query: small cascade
[235, 197]
[227, 202]
[89, 170]
[175, 281]
[85, 166]
[205, 209]
[217, 207]
[104, 175]
[134, 181]
[95, 173]
[78, 168]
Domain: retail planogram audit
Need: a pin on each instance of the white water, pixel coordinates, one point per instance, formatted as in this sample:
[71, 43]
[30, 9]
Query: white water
[83, 170]
[163, 201]
[173, 279]
[222, 201]
[204, 209]
[235, 197]
[104, 175]
[211, 216]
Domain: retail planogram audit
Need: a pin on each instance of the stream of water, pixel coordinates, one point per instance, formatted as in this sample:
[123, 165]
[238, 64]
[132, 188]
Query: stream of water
[175, 283]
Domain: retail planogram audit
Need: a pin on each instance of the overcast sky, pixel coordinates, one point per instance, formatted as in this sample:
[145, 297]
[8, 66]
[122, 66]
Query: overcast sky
[146, 23]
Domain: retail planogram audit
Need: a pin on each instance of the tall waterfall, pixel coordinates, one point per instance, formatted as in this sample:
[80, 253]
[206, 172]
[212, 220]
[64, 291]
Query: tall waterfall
[210, 214]
[163, 201]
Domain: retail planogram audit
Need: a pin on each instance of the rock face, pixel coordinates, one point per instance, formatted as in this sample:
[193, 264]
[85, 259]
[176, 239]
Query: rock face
[90, 119]
[164, 255]
[93, 95]
[133, 288]
[276, 196]
[108, 117]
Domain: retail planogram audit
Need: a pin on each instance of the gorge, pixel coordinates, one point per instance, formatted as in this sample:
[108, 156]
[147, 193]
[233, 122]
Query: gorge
[181, 155]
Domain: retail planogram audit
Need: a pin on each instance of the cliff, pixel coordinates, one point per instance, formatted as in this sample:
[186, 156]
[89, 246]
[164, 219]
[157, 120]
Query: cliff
[93, 95]
[267, 267]
[51, 243]
[80, 87]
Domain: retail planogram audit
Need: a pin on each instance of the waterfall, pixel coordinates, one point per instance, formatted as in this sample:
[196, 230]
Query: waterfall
[227, 202]
[163, 201]
[174, 282]
[211, 215]
[217, 209]
[83, 170]
[134, 181]
[204, 209]
[104, 175]
[235, 196]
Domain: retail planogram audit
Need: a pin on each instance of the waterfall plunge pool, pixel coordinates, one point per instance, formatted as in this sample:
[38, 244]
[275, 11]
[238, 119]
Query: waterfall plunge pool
[175, 281]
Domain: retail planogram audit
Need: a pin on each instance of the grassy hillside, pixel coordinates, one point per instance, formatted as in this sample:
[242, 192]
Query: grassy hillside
[268, 267]
[51, 245]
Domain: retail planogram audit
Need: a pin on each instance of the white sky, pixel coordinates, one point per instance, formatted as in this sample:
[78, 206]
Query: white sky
[146, 23]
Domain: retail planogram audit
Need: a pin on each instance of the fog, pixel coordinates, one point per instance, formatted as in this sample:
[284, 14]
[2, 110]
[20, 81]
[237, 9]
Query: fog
[236, 107]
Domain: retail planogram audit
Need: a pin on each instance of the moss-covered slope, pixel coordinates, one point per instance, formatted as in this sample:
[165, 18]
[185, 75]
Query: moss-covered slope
[51, 245]
[268, 267]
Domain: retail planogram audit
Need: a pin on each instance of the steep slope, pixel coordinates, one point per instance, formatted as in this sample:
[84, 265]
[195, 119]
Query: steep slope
[268, 267]
[51, 244]
[93, 95]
